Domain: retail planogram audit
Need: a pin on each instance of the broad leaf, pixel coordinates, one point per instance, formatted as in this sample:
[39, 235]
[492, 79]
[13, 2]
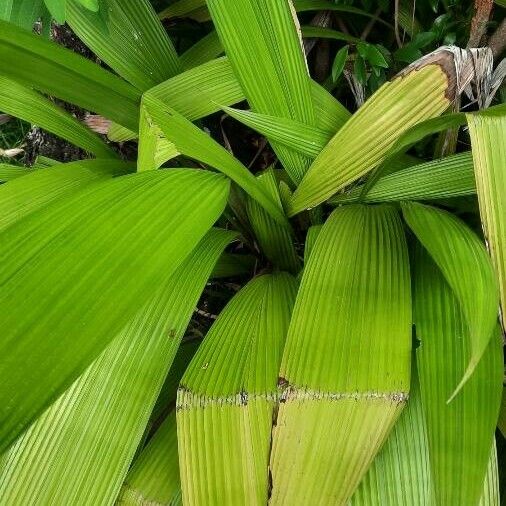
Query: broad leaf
[203, 51]
[74, 273]
[131, 40]
[465, 265]
[113, 398]
[50, 68]
[345, 373]
[422, 91]
[8, 172]
[22, 102]
[488, 138]
[227, 397]
[460, 433]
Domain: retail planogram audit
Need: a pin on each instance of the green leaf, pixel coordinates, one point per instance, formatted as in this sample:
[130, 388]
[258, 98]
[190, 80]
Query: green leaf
[465, 265]
[231, 265]
[460, 434]
[408, 53]
[401, 474]
[488, 138]
[448, 177]
[312, 234]
[227, 397]
[193, 142]
[8, 172]
[359, 70]
[365, 140]
[92, 5]
[131, 40]
[276, 241]
[112, 399]
[23, 13]
[49, 68]
[501, 424]
[318, 32]
[339, 62]
[342, 396]
[39, 188]
[206, 49]
[181, 8]
[22, 102]
[372, 54]
[266, 32]
[58, 9]
[86, 264]
[154, 476]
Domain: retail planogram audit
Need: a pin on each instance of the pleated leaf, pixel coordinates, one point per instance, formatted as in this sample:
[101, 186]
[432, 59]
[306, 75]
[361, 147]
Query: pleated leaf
[465, 265]
[24, 13]
[191, 141]
[38, 188]
[50, 68]
[420, 92]
[448, 177]
[75, 272]
[228, 395]
[29, 105]
[460, 433]
[154, 476]
[400, 473]
[266, 31]
[276, 241]
[79, 450]
[345, 371]
[129, 38]
[203, 51]
[8, 172]
[488, 138]
[230, 264]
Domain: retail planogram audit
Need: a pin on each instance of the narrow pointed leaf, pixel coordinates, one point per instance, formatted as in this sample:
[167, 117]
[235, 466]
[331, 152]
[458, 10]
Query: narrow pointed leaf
[154, 476]
[354, 302]
[420, 92]
[488, 138]
[61, 455]
[50, 68]
[267, 32]
[106, 249]
[206, 49]
[40, 187]
[131, 40]
[189, 140]
[465, 265]
[448, 177]
[228, 395]
[460, 433]
[400, 473]
[276, 241]
[29, 105]
[312, 234]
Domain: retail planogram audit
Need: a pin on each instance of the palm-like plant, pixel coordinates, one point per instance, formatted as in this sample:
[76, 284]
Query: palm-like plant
[363, 365]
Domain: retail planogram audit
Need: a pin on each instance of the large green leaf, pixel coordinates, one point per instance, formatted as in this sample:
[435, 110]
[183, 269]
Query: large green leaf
[40, 187]
[345, 373]
[52, 69]
[227, 397]
[448, 177]
[22, 102]
[8, 171]
[74, 273]
[24, 13]
[422, 91]
[266, 32]
[191, 141]
[460, 433]
[80, 449]
[131, 40]
[465, 265]
[203, 51]
[488, 138]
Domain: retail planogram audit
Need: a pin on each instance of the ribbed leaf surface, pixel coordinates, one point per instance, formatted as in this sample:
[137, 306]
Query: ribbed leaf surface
[366, 138]
[191, 141]
[203, 51]
[461, 432]
[154, 476]
[74, 273]
[24, 103]
[346, 366]
[400, 473]
[448, 177]
[8, 172]
[50, 68]
[266, 31]
[464, 262]
[488, 138]
[228, 394]
[40, 187]
[275, 240]
[79, 450]
[129, 38]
